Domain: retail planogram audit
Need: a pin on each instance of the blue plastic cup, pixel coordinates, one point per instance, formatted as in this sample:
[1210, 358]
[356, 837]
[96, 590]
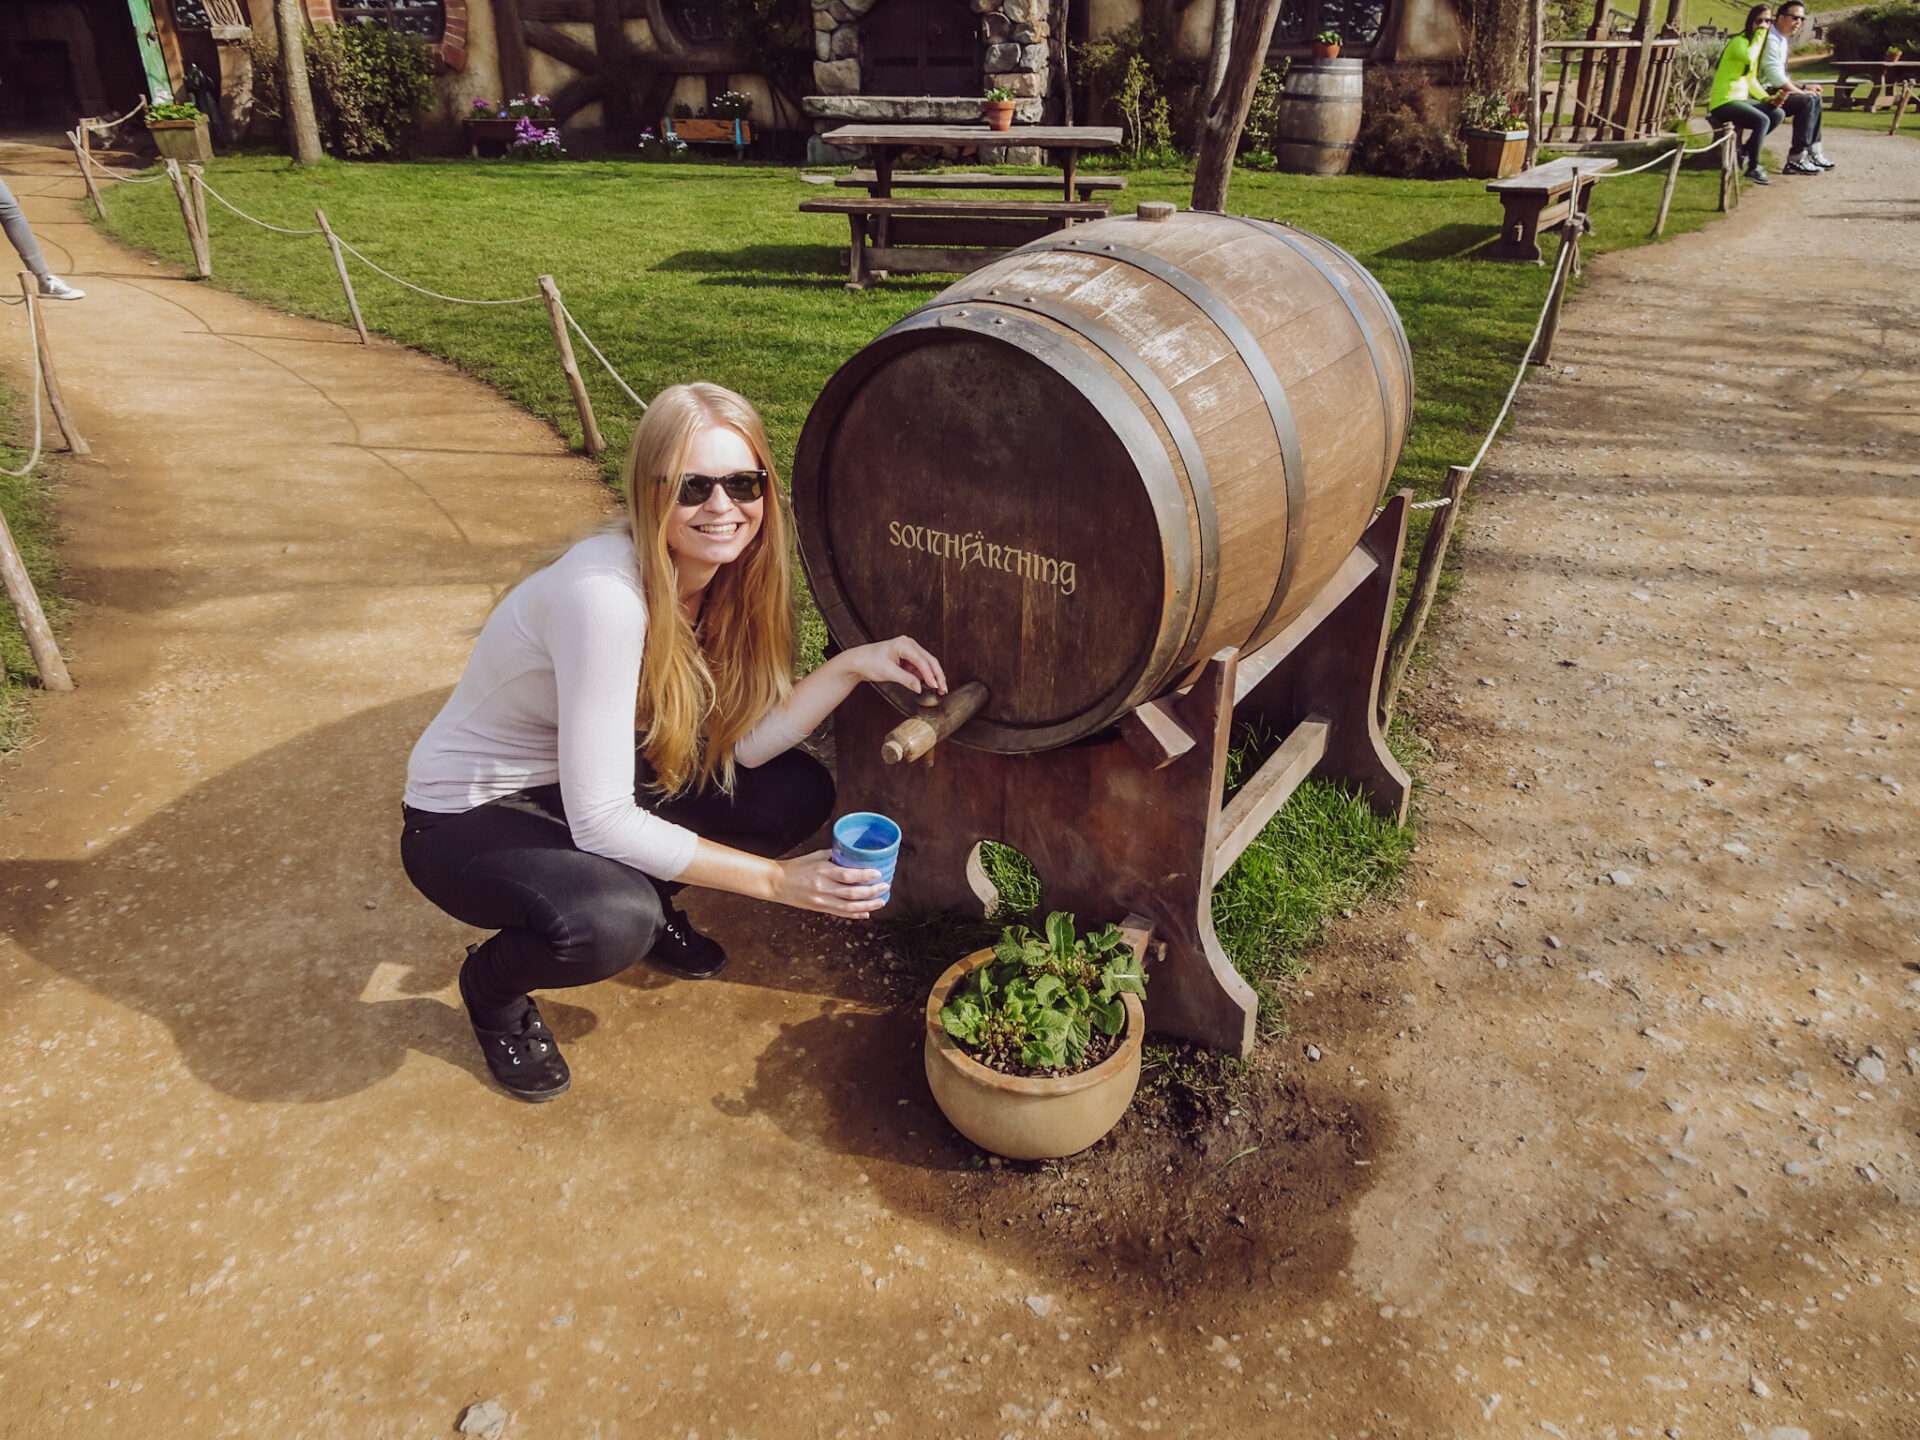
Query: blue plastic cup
[866, 841]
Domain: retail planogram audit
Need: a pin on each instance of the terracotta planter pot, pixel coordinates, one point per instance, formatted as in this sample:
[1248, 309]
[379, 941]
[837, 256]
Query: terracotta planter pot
[998, 113]
[1325, 52]
[1022, 1118]
[185, 141]
[1494, 154]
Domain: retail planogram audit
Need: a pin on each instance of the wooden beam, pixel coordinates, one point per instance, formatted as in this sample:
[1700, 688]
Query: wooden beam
[346, 280]
[33, 620]
[516, 67]
[1155, 734]
[1257, 801]
[556, 314]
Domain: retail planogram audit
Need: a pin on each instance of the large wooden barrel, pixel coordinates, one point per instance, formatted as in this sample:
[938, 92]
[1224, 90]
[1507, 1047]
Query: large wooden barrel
[1319, 116]
[1090, 465]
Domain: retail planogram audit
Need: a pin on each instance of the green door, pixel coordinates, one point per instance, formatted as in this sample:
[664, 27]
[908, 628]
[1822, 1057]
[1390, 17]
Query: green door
[152, 59]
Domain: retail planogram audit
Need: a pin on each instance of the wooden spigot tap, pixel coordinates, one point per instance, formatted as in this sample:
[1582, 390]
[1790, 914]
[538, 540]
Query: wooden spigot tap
[911, 739]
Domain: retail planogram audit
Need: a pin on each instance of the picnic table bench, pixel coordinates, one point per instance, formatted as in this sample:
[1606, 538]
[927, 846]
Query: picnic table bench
[1084, 185]
[1883, 78]
[1546, 195]
[912, 235]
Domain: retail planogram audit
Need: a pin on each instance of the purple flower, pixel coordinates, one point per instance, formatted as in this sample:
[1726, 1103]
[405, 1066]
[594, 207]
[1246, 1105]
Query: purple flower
[483, 105]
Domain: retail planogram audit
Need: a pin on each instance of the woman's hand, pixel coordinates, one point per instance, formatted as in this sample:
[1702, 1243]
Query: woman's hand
[814, 882]
[899, 661]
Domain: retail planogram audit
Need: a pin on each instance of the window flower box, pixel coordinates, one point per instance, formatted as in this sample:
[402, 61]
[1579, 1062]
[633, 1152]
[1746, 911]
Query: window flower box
[184, 141]
[710, 131]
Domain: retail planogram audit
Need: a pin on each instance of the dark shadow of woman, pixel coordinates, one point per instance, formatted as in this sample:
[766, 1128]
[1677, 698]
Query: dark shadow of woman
[263, 917]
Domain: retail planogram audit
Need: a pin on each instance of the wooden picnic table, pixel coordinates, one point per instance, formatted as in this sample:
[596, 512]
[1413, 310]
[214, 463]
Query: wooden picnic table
[1883, 75]
[885, 143]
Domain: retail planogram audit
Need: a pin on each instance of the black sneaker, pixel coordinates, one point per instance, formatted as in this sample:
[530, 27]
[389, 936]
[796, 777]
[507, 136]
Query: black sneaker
[1758, 177]
[525, 1059]
[682, 950]
[1800, 167]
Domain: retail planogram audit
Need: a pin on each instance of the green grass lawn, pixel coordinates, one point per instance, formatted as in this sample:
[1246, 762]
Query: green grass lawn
[708, 271]
[28, 508]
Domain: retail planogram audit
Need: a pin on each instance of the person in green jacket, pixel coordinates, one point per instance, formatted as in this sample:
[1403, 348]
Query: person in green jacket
[1738, 98]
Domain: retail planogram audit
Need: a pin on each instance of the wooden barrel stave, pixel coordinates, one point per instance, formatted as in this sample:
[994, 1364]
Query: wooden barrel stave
[1301, 304]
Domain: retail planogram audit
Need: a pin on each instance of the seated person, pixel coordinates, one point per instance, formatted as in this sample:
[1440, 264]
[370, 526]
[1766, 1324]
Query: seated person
[1802, 102]
[1737, 97]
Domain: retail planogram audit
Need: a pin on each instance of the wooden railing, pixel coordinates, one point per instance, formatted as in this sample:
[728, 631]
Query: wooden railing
[1605, 89]
[1609, 87]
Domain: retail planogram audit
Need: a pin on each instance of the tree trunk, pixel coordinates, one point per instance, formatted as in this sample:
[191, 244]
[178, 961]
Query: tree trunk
[303, 131]
[1226, 116]
[1218, 53]
[1498, 50]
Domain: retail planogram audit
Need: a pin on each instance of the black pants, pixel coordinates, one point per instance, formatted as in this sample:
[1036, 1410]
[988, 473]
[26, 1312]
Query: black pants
[1754, 122]
[1805, 110]
[569, 918]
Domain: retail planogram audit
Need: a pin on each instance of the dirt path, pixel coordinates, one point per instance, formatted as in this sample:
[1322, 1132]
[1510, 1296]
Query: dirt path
[1626, 1149]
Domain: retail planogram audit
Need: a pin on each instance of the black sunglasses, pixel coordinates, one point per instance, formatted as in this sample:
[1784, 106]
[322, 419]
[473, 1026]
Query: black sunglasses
[742, 486]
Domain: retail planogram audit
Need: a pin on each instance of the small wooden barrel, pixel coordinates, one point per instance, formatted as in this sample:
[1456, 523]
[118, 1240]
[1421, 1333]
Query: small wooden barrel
[1087, 467]
[1319, 117]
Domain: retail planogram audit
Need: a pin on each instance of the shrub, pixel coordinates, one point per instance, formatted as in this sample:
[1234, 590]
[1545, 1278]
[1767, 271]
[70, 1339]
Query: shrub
[369, 85]
[1101, 65]
[1397, 139]
[175, 110]
[1263, 115]
[1694, 60]
[1866, 34]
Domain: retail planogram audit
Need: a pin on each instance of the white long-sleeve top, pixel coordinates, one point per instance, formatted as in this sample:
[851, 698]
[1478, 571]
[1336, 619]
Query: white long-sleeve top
[549, 694]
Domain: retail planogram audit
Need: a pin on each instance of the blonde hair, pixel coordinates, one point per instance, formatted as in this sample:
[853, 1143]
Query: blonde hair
[701, 693]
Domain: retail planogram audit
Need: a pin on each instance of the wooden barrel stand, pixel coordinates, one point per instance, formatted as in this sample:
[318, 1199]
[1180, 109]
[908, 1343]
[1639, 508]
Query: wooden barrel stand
[1124, 480]
[1134, 820]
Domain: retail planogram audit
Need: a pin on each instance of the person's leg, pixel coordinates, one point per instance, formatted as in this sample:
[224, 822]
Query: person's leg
[14, 221]
[1803, 109]
[563, 917]
[1750, 125]
[773, 806]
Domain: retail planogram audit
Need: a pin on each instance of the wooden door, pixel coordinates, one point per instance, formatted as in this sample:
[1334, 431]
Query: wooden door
[153, 59]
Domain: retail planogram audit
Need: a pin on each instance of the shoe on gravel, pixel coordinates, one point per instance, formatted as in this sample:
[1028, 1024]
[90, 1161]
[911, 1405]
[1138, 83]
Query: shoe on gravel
[524, 1058]
[52, 287]
[1821, 161]
[682, 950]
[1801, 167]
[1758, 177]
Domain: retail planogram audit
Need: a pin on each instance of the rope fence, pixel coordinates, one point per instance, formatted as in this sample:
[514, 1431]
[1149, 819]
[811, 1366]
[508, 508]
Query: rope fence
[1426, 580]
[1539, 351]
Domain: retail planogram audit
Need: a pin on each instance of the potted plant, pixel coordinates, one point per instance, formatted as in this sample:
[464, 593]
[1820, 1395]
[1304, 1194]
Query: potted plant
[662, 147]
[1894, 52]
[1326, 45]
[1496, 136]
[180, 130]
[725, 122]
[497, 127]
[997, 107]
[1033, 1047]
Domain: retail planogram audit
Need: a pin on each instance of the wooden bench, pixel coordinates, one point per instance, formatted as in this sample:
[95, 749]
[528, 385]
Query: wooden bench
[911, 236]
[1546, 195]
[1085, 185]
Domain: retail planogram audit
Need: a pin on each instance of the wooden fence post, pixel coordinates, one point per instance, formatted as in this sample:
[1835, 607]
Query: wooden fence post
[195, 240]
[1666, 193]
[340, 265]
[197, 188]
[86, 173]
[1426, 584]
[30, 287]
[33, 620]
[589, 428]
[1900, 107]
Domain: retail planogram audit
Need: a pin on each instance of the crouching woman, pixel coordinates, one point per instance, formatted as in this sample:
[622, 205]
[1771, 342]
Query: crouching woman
[626, 726]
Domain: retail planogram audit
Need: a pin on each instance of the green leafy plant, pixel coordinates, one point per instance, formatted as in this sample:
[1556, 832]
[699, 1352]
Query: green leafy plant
[369, 85]
[175, 110]
[998, 92]
[1263, 114]
[1876, 30]
[1327, 37]
[731, 105]
[1490, 110]
[1038, 1004]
